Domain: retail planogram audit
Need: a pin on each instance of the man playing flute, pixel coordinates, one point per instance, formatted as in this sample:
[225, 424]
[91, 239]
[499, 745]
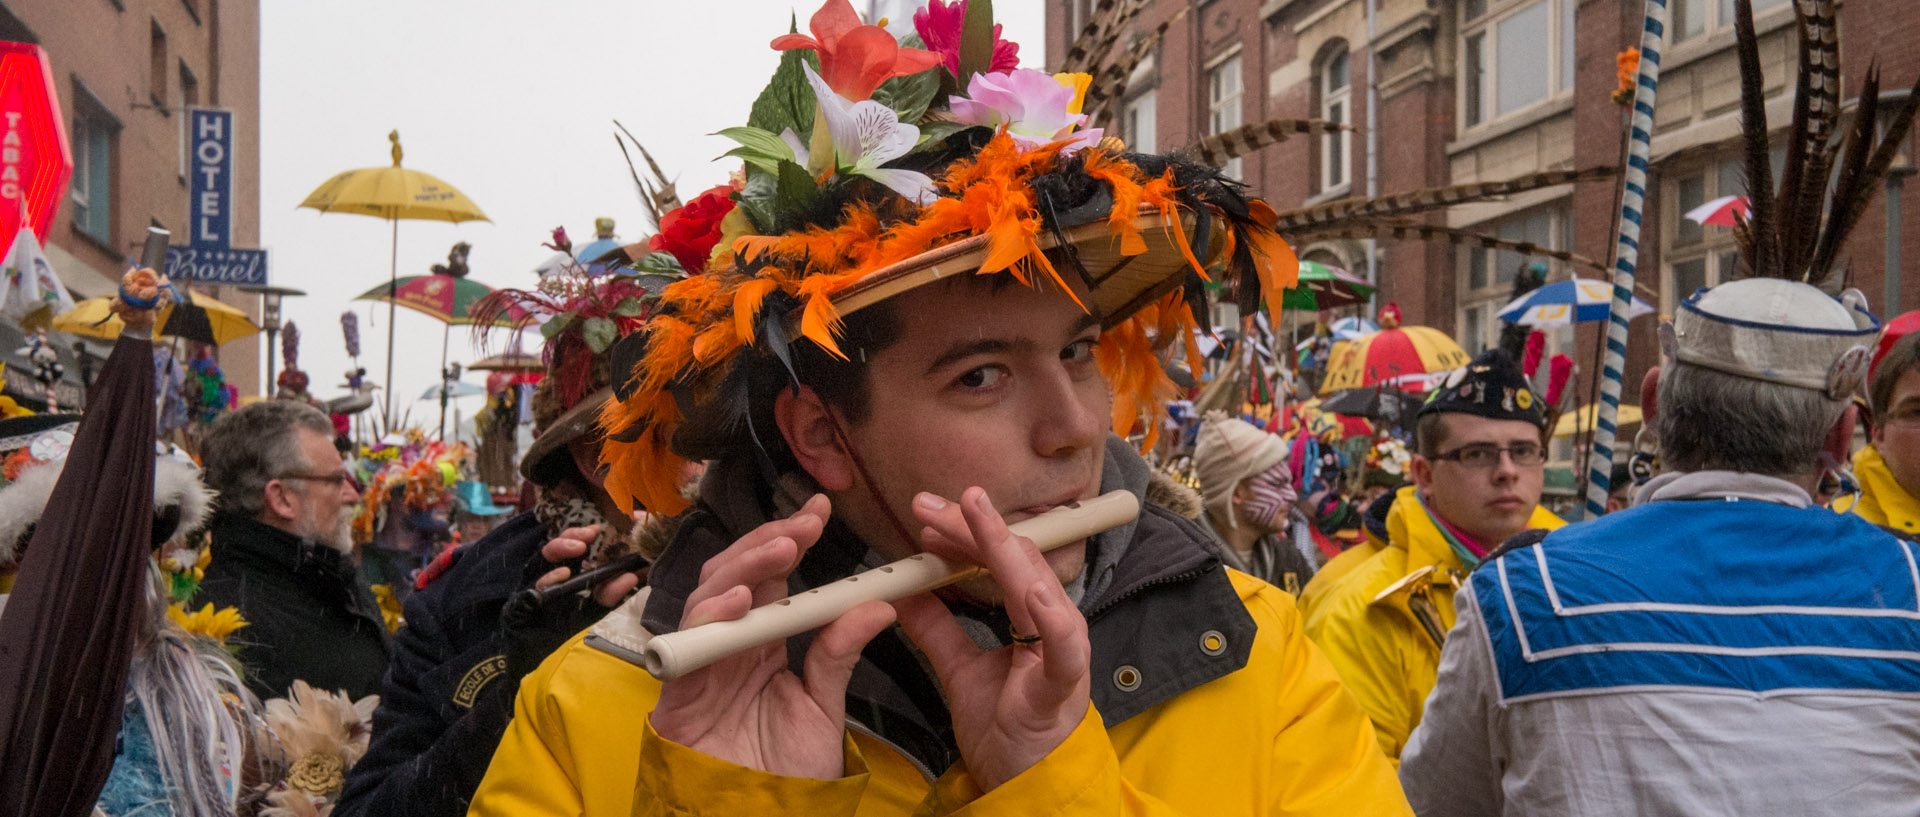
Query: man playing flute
[906, 348]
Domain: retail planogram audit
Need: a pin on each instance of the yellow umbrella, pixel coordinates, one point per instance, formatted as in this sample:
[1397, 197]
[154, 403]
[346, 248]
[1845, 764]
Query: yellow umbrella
[1581, 420]
[393, 193]
[85, 318]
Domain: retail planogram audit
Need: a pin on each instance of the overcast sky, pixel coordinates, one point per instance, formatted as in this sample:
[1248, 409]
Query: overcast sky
[512, 106]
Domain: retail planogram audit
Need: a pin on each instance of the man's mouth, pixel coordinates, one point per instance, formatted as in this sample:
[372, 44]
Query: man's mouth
[1031, 511]
[1508, 503]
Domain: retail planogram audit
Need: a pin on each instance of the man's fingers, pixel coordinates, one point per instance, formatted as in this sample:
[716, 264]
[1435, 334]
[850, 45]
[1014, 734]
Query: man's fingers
[1015, 562]
[761, 569]
[836, 650]
[727, 605]
[803, 527]
[932, 628]
[552, 577]
[567, 546]
[1064, 649]
[615, 589]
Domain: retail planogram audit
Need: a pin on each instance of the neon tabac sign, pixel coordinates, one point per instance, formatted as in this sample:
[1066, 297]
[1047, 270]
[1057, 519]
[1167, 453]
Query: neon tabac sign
[35, 159]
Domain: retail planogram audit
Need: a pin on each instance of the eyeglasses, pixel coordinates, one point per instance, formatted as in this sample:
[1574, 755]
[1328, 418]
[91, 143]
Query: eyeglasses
[1487, 455]
[336, 478]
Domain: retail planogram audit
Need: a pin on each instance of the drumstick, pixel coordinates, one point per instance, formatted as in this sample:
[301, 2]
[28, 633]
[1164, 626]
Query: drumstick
[671, 655]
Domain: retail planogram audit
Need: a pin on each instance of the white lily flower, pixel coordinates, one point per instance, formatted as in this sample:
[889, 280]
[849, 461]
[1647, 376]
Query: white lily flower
[866, 135]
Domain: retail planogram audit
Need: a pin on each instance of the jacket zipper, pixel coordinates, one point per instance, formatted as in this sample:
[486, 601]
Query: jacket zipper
[925, 772]
[1137, 589]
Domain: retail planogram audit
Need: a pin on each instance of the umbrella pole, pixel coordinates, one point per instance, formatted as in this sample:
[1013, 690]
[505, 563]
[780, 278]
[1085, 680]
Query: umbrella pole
[393, 282]
[444, 384]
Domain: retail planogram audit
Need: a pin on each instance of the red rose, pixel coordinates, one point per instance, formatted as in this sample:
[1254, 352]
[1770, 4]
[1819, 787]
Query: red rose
[691, 232]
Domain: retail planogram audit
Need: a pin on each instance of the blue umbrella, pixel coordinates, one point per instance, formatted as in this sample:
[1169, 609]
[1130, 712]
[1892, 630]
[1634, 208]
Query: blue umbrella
[1578, 300]
[592, 252]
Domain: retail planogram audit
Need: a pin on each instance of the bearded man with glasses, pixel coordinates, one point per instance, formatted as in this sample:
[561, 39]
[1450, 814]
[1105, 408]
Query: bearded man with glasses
[283, 553]
[1477, 472]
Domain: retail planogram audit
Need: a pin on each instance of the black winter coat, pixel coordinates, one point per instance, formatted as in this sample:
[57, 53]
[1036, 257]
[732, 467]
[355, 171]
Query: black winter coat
[447, 697]
[309, 617]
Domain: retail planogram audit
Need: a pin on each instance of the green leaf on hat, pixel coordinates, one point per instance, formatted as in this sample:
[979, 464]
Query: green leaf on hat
[787, 101]
[976, 41]
[910, 95]
[557, 324]
[630, 308]
[758, 148]
[756, 198]
[600, 333]
[794, 198]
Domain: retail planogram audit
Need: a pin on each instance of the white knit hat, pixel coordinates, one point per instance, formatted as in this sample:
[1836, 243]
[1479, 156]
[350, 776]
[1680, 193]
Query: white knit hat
[1228, 450]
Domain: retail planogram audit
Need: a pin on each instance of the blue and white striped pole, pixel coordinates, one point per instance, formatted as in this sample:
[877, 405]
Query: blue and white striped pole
[1626, 256]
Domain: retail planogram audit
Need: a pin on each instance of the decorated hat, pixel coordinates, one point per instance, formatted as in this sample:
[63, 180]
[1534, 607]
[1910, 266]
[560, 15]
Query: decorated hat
[583, 316]
[1779, 331]
[872, 167]
[1491, 386]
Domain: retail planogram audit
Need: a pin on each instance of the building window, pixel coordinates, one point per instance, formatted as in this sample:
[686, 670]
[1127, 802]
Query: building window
[1695, 256]
[1487, 280]
[1336, 105]
[189, 86]
[94, 136]
[1223, 104]
[1692, 18]
[157, 66]
[1517, 53]
[1138, 124]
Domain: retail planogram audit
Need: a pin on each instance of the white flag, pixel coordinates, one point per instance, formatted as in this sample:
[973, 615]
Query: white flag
[29, 281]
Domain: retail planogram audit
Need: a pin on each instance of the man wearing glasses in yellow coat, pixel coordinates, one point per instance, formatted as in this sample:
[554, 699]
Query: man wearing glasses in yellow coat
[1477, 474]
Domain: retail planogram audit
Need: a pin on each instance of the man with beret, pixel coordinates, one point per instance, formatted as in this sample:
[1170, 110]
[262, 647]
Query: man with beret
[1477, 472]
[1247, 488]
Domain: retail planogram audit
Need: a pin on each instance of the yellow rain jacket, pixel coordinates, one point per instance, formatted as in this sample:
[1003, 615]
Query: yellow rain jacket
[1369, 622]
[1881, 500]
[1278, 736]
[1336, 569]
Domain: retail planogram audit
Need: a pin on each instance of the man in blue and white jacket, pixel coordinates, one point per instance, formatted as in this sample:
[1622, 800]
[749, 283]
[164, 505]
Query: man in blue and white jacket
[1725, 646]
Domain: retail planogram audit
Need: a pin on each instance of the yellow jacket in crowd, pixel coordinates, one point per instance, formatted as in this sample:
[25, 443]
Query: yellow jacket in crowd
[1279, 736]
[1369, 620]
[1881, 499]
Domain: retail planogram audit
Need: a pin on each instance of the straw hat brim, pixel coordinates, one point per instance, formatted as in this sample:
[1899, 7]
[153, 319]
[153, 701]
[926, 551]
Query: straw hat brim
[571, 425]
[1122, 285]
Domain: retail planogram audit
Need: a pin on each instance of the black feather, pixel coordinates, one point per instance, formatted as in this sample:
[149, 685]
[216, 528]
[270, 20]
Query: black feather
[1758, 238]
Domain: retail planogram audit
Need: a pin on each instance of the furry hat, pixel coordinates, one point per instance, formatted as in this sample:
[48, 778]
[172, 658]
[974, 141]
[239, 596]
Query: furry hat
[181, 504]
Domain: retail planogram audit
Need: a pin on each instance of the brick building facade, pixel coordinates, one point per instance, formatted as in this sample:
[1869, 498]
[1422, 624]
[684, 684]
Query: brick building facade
[1483, 90]
[125, 71]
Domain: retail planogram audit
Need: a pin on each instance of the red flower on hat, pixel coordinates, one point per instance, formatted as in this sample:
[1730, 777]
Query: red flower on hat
[940, 24]
[691, 232]
[855, 58]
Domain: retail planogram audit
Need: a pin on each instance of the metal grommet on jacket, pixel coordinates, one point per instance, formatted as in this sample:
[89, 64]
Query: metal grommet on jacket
[1127, 678]
[1213, 642]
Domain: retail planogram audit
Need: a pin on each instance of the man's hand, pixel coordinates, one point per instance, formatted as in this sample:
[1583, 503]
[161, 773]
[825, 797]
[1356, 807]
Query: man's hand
[571, 545]
[1014, 705]
[749, 709]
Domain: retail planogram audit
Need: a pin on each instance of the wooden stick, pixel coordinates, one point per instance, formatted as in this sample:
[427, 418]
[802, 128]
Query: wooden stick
[674, 654]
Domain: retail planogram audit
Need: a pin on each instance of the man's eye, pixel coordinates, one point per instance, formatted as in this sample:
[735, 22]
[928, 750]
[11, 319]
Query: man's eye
[982, 378]
[1078, 350]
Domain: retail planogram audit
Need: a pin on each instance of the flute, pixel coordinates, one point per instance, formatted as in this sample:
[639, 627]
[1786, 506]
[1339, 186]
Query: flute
[671, 655]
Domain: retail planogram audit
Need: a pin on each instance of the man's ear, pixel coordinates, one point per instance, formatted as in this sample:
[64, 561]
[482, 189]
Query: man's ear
[1839, 442]
[812, 431]
[279, 500]
[1421, 469]
[1649, 395]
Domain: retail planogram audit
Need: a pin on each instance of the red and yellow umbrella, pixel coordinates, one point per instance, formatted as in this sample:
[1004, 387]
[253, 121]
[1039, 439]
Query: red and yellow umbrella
[1388, 354]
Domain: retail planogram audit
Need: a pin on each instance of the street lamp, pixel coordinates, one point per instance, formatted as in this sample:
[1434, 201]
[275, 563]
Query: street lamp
[270, 322]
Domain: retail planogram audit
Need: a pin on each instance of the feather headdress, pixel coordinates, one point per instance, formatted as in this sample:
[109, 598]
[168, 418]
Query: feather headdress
[1003, 179]
[1798, 231]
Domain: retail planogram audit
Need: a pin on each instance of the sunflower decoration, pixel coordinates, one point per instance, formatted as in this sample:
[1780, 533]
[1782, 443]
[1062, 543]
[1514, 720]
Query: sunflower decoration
[184, 567]
[873, 165]
[206, 621]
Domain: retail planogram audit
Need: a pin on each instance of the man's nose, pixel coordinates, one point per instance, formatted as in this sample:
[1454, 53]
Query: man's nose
[1063, 423]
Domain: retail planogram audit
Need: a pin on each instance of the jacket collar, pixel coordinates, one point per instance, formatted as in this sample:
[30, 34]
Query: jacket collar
[256, 542]
[1727, 485]
[1882, 501]
[1409, 528]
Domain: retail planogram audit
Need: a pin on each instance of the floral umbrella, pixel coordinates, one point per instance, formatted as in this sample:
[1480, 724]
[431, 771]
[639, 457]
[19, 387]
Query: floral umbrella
[448, 298]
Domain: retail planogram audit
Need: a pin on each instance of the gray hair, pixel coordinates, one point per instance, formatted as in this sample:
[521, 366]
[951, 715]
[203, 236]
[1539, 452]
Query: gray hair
[254, 446]
[1713, 421]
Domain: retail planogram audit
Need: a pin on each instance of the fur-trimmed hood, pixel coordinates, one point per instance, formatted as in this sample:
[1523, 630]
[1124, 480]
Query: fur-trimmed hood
[181, 502]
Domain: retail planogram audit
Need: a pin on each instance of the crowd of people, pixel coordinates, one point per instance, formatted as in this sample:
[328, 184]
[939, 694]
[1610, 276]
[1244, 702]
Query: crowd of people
[799, 390]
